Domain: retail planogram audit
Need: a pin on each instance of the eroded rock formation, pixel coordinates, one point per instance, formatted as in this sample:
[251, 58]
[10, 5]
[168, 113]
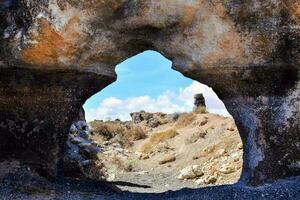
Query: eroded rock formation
[54, 54]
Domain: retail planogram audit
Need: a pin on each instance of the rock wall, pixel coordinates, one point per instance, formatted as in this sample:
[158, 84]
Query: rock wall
[54, 54]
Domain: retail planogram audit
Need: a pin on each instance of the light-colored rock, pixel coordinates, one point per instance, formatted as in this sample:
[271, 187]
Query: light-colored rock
[190, 172]
[221, 152]
[240, 146]
[142, 172]
[111, 177]
[199, 181]
[167, 159]
[227, 169]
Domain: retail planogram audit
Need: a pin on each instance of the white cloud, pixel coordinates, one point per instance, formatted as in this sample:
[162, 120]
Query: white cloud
[168, 102]
[213, 103]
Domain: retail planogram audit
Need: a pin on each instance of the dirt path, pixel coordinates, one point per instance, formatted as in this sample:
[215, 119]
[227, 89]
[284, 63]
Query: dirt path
[151, 182]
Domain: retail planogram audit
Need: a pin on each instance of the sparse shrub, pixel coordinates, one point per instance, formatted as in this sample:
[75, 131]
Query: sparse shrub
[135, 133]
[202, 134]
[185, 119]
[200, 110]
[174, 116]
[163, 147]
[158, 138]
[129, 165]
[95, 170]
[117, 132]
[106, 129]
[125, 142]
[126, 165]
[195, 137]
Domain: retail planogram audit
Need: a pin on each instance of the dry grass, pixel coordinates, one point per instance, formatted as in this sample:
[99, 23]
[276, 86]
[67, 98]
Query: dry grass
[126, 165]
[200, 110]
[195, 137]
[96, 170]
[185, 120]
[130, 135]
[135, 133]
[106, 129]
[117, 132]
[158, 138]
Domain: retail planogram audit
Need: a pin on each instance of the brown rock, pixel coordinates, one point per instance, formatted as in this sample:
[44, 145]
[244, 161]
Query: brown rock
[167, 159]
[144, 156]
[202, 123]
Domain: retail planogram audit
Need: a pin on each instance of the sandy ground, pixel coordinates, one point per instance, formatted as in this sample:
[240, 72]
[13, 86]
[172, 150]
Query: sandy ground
[151, 182]
[219, 147]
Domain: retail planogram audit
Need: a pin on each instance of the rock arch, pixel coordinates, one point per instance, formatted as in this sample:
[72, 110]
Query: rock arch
[56, 53]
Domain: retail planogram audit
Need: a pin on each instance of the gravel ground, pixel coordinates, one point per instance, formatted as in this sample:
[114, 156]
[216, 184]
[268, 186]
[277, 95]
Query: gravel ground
[151, 182]
[288, 189]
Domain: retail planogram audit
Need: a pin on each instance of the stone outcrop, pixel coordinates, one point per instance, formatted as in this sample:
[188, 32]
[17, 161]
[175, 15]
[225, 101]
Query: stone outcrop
[190, 172]
[199, 101]
[151, 120]
[81, 156]
[55, 54]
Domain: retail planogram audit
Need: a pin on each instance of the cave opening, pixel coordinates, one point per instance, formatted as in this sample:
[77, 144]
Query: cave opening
[154, 130]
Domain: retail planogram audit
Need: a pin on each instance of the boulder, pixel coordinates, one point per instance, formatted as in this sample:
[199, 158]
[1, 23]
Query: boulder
[151, 120]
[190, 172]
[227, 169]
[80, 159]
[167, 159]
[199, 100]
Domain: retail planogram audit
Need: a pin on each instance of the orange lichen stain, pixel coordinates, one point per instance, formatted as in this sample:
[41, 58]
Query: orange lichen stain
[293, 7]
[230, 47]
[220, 10]
[206, 8]
[68, 32]
[189, 14]
[51, 45]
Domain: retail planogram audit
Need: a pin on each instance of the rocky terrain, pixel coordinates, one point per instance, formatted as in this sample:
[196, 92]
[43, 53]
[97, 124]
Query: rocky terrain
[157, 152]
[55, 54]
[205, 150]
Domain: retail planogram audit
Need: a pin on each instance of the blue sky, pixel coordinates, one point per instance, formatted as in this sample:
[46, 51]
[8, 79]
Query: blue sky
[146, 82]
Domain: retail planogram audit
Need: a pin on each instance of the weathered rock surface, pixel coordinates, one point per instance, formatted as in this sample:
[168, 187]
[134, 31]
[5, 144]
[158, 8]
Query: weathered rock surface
[81, 156]
[190, 172]
[56, 54]
[199, 101]
[167, 159]
[151, 120]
